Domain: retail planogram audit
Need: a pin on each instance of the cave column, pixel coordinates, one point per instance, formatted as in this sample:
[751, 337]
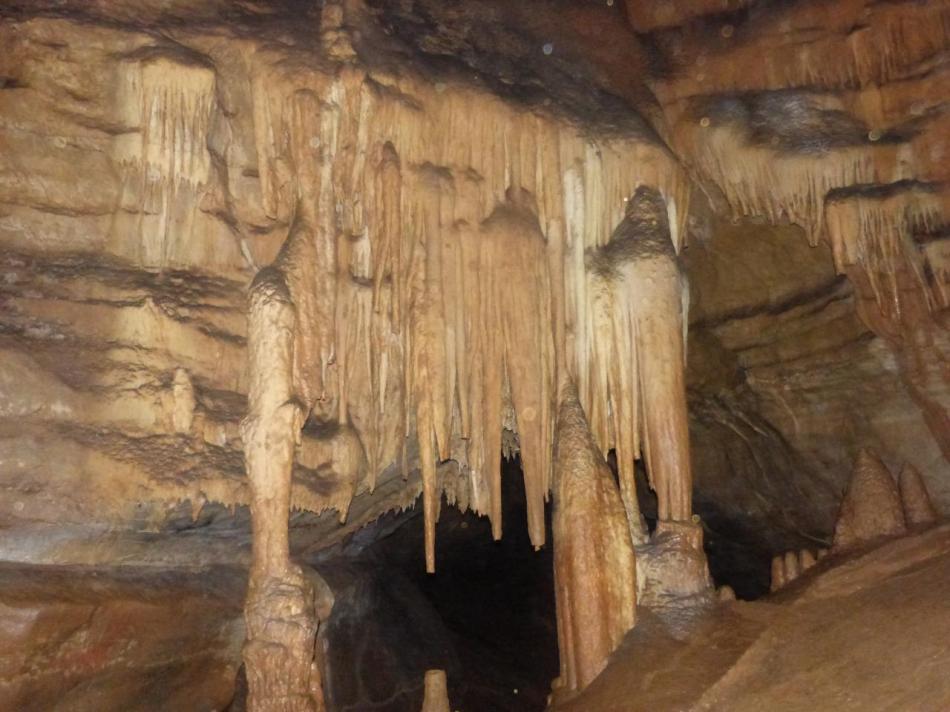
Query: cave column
[661, 351]
[279, 610]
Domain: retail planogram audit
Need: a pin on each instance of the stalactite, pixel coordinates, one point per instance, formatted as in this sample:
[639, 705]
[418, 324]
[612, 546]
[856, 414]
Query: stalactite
[442, 274]
[793, 567]
[183, 402]
[781, 186]
[594, 563]
[169, 98]
[874, 232]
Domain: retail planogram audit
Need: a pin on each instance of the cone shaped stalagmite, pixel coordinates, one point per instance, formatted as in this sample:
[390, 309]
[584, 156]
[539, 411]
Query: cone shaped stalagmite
[594, 565]
[918, 509]
[872, 505]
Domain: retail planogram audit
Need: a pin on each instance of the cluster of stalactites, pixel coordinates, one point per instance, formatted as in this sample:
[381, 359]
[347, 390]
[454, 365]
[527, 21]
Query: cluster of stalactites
[885, 236]
[169, 99]
[437, 261]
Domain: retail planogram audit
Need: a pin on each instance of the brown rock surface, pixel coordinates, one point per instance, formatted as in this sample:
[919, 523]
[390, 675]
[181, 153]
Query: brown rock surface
[112, 638]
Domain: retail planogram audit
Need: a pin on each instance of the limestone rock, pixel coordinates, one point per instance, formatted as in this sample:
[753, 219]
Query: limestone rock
[871, 508]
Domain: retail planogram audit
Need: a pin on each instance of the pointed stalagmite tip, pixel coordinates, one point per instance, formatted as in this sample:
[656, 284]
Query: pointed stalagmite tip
[871, 507]
[918, 509]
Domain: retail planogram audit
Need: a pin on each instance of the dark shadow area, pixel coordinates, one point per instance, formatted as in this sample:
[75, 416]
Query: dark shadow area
[487, 615]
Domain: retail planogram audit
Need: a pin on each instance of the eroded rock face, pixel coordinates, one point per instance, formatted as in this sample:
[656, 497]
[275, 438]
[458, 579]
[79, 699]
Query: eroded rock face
[119, 637]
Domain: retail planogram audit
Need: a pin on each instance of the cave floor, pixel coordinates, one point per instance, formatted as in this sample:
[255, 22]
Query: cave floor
[867, 632]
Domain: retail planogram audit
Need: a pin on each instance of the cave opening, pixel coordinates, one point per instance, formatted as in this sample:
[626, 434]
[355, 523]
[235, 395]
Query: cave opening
[486, 616]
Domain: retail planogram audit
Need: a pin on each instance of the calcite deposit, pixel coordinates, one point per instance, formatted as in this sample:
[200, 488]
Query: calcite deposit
[594, 565]
[872, 505]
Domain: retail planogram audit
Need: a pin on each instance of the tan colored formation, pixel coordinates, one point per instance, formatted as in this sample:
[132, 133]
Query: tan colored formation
[918, 509]
[640, 300]
[436, 692]
[279, 612]
[871, 507]
[446, 304]
[457, 293]
[594, 564]
[874, 507]
[789, 566]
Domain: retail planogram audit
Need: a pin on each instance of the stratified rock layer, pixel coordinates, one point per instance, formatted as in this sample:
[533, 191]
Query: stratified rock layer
[119, 638]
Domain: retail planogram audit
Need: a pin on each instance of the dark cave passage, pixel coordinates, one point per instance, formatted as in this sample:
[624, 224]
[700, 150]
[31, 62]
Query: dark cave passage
[487, 616]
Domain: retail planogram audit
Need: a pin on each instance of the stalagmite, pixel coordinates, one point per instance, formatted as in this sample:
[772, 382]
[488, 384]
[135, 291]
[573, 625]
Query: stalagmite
[789, 566]
[594, 564]
[436, 692]
[726, 593]
[793, 567]
[806, 559]
[918, 509]
[778, 573]
[279, 611]
[871, 507]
